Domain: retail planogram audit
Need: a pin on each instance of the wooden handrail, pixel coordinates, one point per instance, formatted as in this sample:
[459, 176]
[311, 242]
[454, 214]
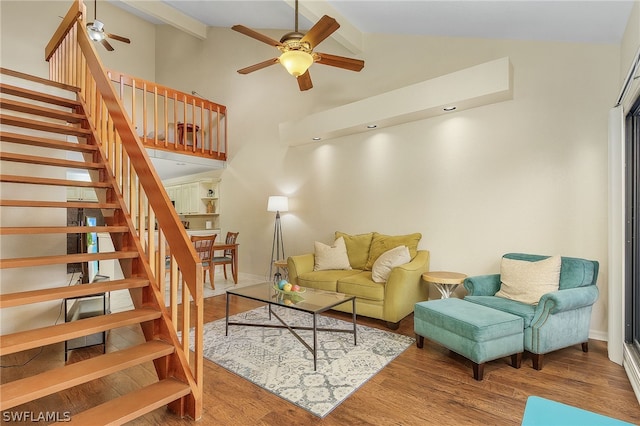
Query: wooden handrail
[74, 61]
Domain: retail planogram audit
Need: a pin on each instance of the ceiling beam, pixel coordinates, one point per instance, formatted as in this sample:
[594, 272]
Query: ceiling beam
[348, 35]
[170, 16]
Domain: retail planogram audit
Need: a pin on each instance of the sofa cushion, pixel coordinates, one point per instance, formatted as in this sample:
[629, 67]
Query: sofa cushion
[331, 257]
[526, 281]
[387, 261]
[382, 243]
[362, 286]
[324, 280]
[523, 310]
[357, 248]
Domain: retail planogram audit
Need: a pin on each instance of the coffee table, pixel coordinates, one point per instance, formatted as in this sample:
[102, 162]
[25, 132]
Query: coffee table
[312, 301]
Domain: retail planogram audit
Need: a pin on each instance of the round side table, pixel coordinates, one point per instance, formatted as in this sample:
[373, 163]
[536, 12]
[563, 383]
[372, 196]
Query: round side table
[445, 282]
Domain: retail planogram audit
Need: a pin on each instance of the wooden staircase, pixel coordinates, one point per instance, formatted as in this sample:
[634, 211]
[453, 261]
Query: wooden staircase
[35, 128]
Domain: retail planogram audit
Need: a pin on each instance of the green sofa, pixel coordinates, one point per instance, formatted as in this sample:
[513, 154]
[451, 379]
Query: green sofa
[389, 301]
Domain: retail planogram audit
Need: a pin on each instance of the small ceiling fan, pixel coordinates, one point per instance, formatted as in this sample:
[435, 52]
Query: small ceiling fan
[297, 50]
[96, 31]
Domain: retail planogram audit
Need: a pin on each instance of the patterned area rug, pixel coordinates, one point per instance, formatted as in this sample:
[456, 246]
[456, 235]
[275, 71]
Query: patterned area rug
[275, 360]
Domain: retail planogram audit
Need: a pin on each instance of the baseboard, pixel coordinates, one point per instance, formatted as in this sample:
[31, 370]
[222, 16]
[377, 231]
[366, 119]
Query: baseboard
[599, 335]
[631, 363]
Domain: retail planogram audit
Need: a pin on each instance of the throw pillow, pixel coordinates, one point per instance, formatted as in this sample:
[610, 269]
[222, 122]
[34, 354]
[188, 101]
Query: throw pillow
[387, 261]
[382, 243]
[357, 248]
[331, 257]
[526, 282]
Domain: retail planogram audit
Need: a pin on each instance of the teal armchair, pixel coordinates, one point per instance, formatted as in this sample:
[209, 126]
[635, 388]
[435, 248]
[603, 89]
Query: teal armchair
[560, 319]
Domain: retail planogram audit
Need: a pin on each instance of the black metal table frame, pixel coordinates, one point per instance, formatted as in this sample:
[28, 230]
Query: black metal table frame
[292, 329]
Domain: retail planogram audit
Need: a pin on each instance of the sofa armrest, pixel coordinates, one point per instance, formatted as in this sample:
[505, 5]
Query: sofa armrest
[566, 300]
[298, 265]
[404, 287]
[482, 285]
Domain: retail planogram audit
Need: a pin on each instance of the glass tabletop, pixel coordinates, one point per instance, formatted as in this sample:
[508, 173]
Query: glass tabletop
[307, 300]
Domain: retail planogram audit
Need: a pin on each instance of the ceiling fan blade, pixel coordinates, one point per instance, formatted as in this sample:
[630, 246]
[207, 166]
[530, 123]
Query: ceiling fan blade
[321, 30]
[339, 61]
[304, 81]
[254, 34]
[106, 45]
[259, 66]
[117, 37]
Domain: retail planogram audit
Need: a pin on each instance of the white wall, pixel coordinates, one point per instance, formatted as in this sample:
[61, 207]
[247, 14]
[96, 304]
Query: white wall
[524, 175]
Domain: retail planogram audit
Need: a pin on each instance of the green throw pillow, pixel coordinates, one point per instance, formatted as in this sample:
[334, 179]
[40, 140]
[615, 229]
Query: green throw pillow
[357, 248]
[382, 243]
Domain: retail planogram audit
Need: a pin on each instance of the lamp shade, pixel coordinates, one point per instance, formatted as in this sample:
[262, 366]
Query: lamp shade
[296, 62]
[278, 203]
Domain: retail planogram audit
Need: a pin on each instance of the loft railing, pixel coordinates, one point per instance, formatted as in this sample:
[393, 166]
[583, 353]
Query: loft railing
[73, 60]
[170, 120]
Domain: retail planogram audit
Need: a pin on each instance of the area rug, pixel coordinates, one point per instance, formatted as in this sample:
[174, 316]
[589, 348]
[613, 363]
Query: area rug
[275, 360]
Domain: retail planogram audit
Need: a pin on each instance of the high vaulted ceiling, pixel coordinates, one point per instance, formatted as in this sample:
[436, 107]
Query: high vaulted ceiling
[592, 21]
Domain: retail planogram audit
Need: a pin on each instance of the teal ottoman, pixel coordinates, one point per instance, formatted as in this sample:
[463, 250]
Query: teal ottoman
[476, 332]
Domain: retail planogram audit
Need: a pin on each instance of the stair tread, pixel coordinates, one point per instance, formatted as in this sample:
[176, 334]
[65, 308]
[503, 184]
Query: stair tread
[57, 293]
[19, 230]
[21, 341]
[23, 262]
[50, 161]
[38, 96]
[27, 108]
[132, 405]
[37, 79]
[58, 204]
[44, 126]
[52, 381]
[50, 181]
[45, 142]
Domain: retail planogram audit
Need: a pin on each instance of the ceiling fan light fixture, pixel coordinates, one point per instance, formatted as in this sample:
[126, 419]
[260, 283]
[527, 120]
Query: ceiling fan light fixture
[95, 30]
[296, 62]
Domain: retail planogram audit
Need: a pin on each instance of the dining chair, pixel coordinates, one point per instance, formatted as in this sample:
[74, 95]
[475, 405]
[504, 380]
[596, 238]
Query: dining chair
[227, 258]
[204, 248]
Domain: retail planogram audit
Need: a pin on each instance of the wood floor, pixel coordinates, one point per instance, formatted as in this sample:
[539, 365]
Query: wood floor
[422, 386]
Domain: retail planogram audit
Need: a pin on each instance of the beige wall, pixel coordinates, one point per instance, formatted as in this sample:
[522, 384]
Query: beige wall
[525, 175]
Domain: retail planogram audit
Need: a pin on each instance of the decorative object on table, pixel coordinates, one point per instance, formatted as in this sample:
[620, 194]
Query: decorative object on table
[445, 282]
[210, 193]
[277, 203]
[342, 367]
[297, 50]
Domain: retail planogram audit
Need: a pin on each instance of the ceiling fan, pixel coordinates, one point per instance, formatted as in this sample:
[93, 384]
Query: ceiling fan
[297, 50]
[96, 31]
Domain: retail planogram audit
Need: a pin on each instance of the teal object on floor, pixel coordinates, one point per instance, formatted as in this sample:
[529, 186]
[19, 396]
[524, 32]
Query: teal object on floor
[544, 412]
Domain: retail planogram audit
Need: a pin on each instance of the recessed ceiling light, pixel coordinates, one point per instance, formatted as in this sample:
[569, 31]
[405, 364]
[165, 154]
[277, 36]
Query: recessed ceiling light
[181, 164]
[316, 138]
[449, 108]
[371, 126]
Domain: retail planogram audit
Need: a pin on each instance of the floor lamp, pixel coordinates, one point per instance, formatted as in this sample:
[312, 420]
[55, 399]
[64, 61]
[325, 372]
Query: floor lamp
[277, 203]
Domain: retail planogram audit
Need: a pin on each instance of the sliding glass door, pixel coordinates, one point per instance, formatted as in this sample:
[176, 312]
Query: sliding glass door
[632, 228]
